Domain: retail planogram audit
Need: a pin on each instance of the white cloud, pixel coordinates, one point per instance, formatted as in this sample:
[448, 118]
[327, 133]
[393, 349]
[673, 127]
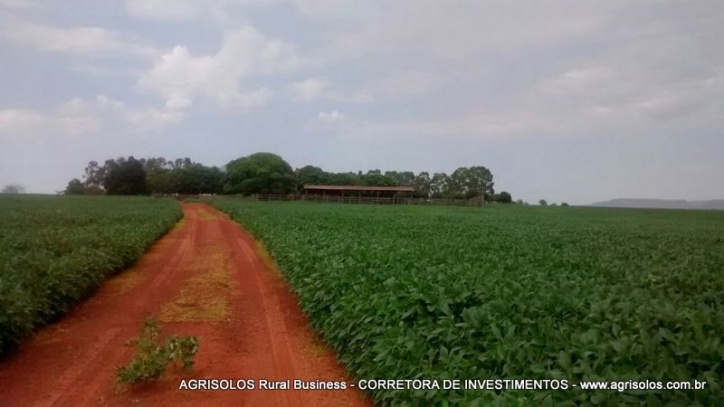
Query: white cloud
[16, 121]
[314, 89]
[185, 10]
[77, 117]
[716, 81]
[244, 101]
[405, 84]
[108, 71]
[309, 90]
[331, 117]
[181, 78]
[79, 125]
[627, 91]
[597, 111]
[75, 107]
[338, 13]
[21, 4]
[475, 127]
[432, 30]
[395, 86]
[89, 41]
[151, 119]
[588, 79]
[106, 104]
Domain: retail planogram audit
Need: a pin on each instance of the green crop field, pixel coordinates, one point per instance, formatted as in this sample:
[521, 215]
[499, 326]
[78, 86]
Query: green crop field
[56, 250]
[508, 292]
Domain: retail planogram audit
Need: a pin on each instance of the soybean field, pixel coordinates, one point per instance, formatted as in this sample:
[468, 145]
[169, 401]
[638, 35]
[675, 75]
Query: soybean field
[54, 251]
[508, 292]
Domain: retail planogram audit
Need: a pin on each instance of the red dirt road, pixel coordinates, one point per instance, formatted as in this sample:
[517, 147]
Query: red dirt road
[205, 278]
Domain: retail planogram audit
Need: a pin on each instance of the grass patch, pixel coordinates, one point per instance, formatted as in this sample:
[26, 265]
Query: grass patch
[125, 282]
[153, 356]
[267, 259]
[205, 296]
[205, 215]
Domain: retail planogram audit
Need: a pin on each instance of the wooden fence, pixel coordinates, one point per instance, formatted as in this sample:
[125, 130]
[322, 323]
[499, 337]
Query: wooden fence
[366, 200]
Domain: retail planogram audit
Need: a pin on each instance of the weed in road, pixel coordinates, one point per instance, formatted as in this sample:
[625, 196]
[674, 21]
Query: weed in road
[153, 356]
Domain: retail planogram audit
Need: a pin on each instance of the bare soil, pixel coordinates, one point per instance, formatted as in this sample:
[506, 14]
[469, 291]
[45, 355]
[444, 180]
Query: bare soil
[207, 278]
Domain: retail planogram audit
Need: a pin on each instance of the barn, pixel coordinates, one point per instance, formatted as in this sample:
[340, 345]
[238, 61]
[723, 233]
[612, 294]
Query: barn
[357, 193]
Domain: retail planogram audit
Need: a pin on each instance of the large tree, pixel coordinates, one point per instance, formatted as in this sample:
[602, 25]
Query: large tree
[470, 182]
[260, 173]
[310, 175]
[403, 178]
[162, 177]
[377, 179]
[196, 179]
[421, 183]
[125, 177]
[503, 197]
[13, 189]
[344, 178]
[439, 184]
[75, 187]
[94, 177]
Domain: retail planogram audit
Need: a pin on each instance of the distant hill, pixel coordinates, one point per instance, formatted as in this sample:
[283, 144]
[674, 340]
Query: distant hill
[662, 204]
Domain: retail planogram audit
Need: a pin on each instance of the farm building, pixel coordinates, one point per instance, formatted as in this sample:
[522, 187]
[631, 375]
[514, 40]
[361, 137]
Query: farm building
[356, 193]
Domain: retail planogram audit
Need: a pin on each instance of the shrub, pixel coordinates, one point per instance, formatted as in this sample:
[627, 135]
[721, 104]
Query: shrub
[153, 357]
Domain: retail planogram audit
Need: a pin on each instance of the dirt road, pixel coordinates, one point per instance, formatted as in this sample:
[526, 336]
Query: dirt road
[207, 278]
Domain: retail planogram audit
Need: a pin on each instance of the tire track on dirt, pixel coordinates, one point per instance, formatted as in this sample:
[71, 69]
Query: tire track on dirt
[264, 336]
[280, 353]
[112, 319]
[71, 375]
[297, 352]
[113, 355]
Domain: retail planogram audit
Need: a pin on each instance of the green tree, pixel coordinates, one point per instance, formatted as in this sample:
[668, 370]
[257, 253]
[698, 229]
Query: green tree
[421, 183]
[504, 197]
[13, 189]
[543, 202]
[403, 178]
[376, 178]
[196, 179]
[260, 173]
[75, 187]
[310, 175]
[125, 177]
[212, 180]
[94, 177]
[181, 163]
[160, 181]
[470, 182]
[439, 184]
[344, 178]
[564, 204]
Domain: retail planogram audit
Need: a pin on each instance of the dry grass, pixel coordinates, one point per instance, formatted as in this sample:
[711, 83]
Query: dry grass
[205, 296]
[205, 215]
[125, 281]
[267, 259]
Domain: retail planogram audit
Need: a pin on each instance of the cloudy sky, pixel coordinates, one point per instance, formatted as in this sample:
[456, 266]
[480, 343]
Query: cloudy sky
[575, 101]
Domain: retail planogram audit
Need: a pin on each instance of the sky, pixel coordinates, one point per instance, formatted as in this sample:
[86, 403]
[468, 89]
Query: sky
[568, 101]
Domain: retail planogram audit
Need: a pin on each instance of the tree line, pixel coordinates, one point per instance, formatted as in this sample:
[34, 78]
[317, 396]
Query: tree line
[266, 173]
[145, 176]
